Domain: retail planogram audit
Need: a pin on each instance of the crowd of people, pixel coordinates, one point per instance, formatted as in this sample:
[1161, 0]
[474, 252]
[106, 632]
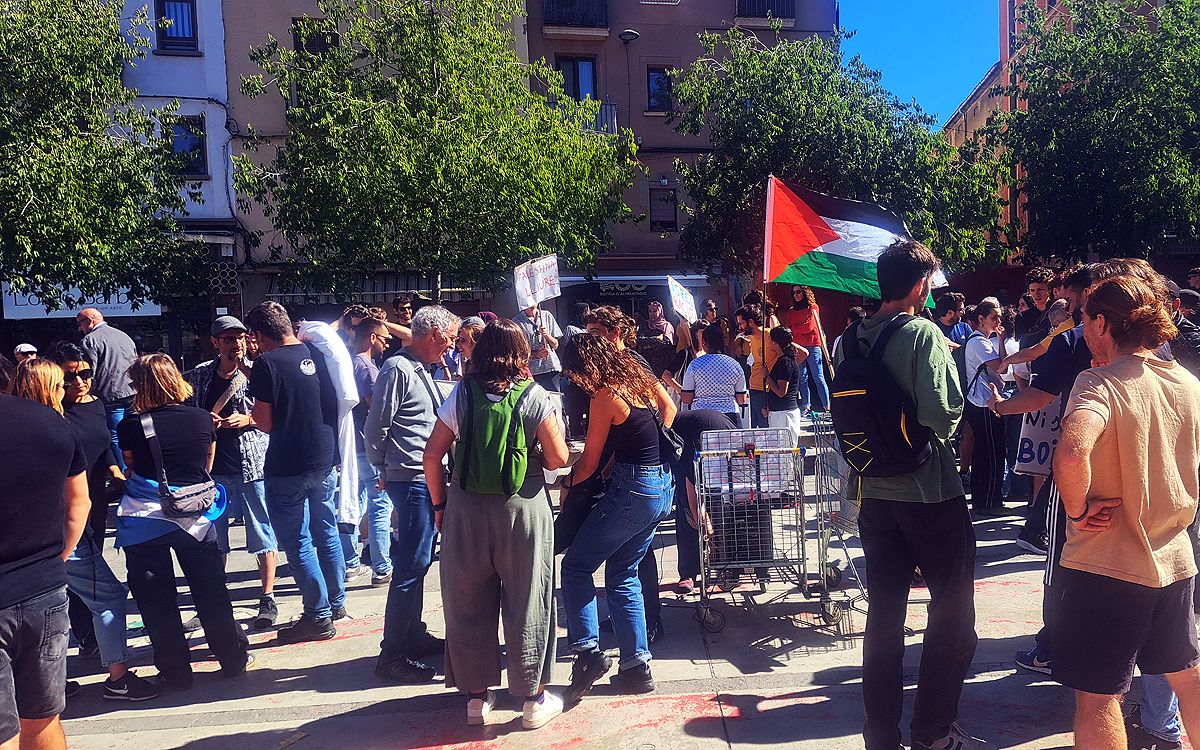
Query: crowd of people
[358, 446]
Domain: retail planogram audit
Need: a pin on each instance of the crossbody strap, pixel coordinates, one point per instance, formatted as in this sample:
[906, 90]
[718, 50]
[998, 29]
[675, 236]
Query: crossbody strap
[466, 428]
[155, 450]
[515, 422]
[423, 376]
[234, 383]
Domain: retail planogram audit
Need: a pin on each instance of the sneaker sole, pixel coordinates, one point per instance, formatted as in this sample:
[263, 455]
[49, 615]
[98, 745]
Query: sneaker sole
[133, 699]
[1031, 547]
[540, 722]
[1033, 668]
[318, 637]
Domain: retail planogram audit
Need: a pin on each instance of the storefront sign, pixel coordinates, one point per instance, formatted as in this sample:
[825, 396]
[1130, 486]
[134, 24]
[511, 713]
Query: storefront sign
[536, 281]
[19, 306]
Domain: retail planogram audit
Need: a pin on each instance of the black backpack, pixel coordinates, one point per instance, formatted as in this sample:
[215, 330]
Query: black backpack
[875, 422]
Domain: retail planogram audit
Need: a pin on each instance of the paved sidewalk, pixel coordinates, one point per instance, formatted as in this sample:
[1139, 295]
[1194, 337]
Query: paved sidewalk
[774, 677]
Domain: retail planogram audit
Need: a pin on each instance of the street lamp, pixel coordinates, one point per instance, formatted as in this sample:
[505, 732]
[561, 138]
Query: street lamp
[626, 36]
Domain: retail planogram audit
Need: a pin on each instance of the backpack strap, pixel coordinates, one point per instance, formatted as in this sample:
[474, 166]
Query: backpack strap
[515, 422]
[978, 370]
[885, 335]
[850, 341]
[156, 451]
[466, 429]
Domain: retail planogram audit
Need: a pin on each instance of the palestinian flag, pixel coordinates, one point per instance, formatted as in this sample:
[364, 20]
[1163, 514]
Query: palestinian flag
[827, 242]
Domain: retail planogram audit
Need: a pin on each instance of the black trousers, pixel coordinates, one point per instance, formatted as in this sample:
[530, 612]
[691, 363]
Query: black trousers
[152, 583]
[896, 538]
[987, 459]
[1054, 521]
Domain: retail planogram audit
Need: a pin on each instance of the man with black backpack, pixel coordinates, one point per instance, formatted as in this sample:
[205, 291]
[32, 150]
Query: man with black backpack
[894, 423]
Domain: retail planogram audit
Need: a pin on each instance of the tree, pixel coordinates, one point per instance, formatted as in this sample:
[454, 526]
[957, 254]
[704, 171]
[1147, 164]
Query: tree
[417, 141]
[1105, 142]
[795, 109]
[88, 187]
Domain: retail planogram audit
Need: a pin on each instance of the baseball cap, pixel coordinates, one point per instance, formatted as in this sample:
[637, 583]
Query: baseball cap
[1172, 289]
[25, 349]
[227, 323]
[1190, 298]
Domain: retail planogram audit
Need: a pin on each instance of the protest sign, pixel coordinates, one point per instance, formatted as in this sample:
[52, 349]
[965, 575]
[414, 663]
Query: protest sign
[1039, 436]
[682, 300]
[536, 281]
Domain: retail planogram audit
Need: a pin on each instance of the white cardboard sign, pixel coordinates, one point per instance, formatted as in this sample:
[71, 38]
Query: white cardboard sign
[1039, 436]
[682, 300]
[536, 281]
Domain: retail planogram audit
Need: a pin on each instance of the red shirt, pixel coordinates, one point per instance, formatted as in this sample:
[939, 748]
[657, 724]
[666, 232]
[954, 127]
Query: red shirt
[804, 325]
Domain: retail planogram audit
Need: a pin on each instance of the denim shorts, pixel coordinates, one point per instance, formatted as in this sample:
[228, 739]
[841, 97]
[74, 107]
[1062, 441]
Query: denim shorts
[33, 660]
[260, 536]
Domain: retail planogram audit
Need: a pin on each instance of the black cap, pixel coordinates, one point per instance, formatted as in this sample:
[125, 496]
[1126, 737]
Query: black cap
[1190, 299]
[227, 323]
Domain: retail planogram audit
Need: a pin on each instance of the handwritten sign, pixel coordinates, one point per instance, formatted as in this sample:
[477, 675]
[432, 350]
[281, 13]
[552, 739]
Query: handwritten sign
[20, 306]
[536, 281]
[682, 300]
[1039, 436]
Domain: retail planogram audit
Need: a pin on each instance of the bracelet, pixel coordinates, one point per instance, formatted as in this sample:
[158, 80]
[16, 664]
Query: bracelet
[436, 508]
[1082, 515]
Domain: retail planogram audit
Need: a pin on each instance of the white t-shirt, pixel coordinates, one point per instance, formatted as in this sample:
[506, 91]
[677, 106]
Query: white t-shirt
[536, 408]
[980, 349]
[715, 380]
[1011, 347]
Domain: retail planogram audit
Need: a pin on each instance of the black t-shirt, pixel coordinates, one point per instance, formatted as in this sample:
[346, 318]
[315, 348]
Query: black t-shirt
[228, 458]
[1033, 323]
[785, 369]
[295, 381]
[689, 425]
[90, 423]
[185, 436]
[40, 451]
[1055, 371]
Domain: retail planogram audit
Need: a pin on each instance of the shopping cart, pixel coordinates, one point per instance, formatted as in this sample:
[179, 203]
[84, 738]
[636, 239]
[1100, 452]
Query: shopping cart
[754, 521]
[833, 494]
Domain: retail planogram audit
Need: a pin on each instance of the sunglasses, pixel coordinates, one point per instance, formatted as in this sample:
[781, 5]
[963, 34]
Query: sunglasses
[71, 377]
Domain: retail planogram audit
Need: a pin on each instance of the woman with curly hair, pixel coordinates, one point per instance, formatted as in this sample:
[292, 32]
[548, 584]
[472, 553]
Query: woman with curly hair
[804, 318]
[497, 558]
[627, 403]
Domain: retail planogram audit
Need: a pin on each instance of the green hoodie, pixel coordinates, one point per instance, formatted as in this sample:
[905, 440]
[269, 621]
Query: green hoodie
[919, 360]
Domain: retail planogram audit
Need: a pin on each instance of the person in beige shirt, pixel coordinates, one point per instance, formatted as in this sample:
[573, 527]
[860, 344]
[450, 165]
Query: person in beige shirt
[1126, 467]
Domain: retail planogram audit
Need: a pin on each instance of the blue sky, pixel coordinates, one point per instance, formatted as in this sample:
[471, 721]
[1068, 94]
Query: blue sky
[934, 51]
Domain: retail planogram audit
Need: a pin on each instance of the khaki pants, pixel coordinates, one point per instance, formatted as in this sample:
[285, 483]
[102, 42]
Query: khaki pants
[497, 564]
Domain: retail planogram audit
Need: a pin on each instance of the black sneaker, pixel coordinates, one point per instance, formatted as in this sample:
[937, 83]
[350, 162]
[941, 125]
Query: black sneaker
[379, 581]
[634, 681]
[405, 671]
[307, 629]
[340, 613]
[957, 739]
[164, 683]
[588, 668]
[1034, 660]
[73, 688]
[428, 645]
[130, 688]
[90, 651]
[242, 670]
[192, 625]
[1036, 545]
[654, 631]
[1141, 739]
[268, 612]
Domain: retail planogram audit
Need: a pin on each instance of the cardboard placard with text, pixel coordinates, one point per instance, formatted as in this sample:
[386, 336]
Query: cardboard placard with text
[536, 281]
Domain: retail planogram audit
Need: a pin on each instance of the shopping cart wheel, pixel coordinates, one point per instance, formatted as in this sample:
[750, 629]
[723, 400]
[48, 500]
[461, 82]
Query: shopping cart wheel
[831, 613]
[833, 575]
[728, 581]
[712, 622]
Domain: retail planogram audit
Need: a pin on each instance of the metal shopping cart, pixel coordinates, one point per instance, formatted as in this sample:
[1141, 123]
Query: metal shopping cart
[754, 525]
[833, 495]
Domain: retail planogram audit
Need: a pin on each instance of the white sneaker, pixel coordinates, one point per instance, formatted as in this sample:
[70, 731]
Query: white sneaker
[538, 714]
[479, 709]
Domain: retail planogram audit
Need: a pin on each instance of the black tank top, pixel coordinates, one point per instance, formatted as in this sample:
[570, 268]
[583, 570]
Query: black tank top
[635, 441]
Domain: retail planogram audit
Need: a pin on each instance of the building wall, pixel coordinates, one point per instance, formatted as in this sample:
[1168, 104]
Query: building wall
[198, 81]
[667, 37]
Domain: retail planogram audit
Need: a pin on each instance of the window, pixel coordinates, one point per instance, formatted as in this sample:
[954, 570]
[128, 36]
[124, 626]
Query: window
[579, 77]
[177, 26]
[663, 214]
[190, 144]
[658, 90]
[316, 36]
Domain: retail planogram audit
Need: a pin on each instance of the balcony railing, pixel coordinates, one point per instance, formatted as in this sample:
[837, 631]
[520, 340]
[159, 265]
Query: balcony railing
[764, 8]
[606, 119]
[575, 13]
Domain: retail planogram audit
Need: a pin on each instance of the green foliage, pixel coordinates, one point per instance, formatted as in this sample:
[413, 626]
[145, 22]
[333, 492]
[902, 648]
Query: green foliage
[88, 190]
[795, 109]
[416, 141]
[1107, 134]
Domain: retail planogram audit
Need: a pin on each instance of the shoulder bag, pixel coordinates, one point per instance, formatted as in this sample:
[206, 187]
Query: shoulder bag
[184, 502]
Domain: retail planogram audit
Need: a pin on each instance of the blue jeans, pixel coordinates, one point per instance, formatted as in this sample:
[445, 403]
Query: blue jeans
[758, 402]
[814, 365]
[412, 554]
[90, 578]
[252, 497]
[617, 533]
[304, 518]
[1160, 708]
[376, 506]
[115, 413]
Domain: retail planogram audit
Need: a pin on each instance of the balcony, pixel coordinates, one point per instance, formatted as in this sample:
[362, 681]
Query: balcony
[575, 19]
[759, 14]
[606, 119]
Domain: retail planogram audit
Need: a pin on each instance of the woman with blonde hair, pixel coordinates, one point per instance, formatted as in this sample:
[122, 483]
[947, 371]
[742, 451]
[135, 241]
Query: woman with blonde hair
[628, 409]
[165, 438]
[39, 380]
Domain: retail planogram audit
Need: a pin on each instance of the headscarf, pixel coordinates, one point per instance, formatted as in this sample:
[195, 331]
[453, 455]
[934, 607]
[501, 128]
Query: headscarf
[657, 323]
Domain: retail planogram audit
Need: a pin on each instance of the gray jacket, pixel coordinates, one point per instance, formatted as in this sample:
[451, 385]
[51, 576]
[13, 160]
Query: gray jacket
[111, 352]
[403, 411]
